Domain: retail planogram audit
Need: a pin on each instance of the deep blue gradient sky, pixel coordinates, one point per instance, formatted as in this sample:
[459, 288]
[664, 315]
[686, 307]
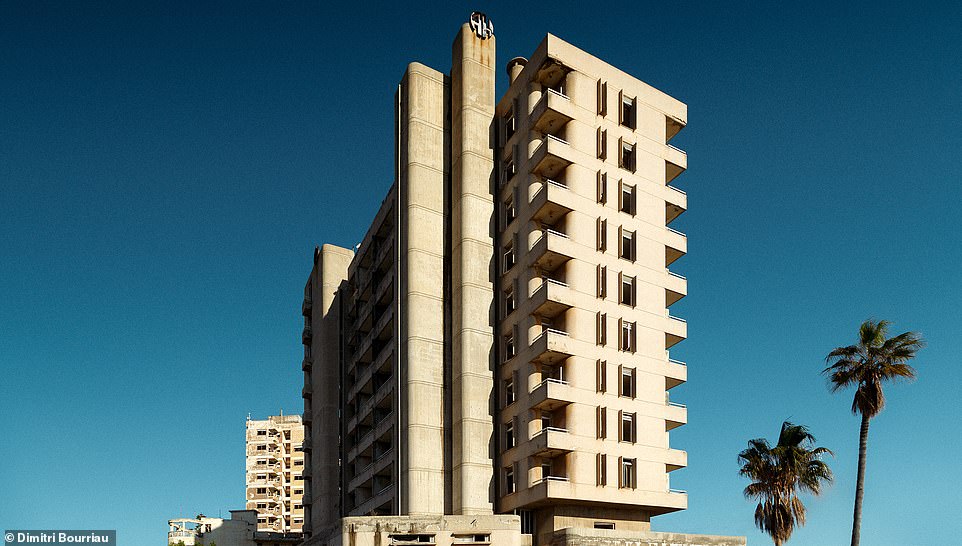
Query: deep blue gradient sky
[166, 171]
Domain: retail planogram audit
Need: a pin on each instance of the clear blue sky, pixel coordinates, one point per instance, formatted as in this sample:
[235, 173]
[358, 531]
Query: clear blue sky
[166, 171]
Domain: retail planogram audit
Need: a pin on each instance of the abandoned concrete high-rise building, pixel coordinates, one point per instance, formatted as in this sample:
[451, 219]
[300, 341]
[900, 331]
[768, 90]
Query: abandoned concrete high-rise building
[490, 365]
[275, 468]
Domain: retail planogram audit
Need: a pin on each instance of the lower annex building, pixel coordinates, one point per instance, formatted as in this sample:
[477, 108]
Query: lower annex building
[491, 364]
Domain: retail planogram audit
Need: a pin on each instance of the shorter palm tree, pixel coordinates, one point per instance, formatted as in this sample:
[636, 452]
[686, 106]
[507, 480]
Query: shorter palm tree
[778, 474]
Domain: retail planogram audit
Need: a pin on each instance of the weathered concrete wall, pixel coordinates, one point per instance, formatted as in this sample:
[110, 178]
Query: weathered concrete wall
[472, 381]
[602, 537]
[375, 531]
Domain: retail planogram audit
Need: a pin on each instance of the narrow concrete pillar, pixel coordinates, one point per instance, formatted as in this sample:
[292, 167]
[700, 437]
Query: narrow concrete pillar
[330, 270]
[422, 100]
[472, 231]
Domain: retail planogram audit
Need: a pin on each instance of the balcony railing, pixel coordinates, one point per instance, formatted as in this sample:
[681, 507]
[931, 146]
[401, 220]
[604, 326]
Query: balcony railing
[673, 274]
[676, 404]
[546, 430]
[679, 362]
[675, 231]
[555, 183]
[673, 317]
[552, 479]
[557, 139]
[678, 491]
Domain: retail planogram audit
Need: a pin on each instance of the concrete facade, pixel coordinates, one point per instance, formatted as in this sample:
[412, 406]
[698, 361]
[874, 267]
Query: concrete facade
[239, 530]
[275, 472]
[490, 365]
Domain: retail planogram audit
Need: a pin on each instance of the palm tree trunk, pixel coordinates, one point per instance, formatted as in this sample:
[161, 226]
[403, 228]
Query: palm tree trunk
[860, 480]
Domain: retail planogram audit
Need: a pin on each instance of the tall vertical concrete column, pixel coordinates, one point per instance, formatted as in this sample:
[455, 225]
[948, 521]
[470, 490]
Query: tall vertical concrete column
[472, 232]
[330, 271]
[422, 100]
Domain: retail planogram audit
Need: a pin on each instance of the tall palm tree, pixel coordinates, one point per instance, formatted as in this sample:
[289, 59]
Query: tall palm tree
[866, 365]
[778, 474]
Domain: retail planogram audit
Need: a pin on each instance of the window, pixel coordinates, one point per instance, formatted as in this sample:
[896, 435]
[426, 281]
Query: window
[626, 292]
[602, 235]
[508, 391]
[510, 124]
[262, 505]
[298, 463]
[472, 539]
[627, 160]
[545, 468]
[509, 350]
[508, 257]
[602, 373]
[602, 281]
[409, 539]
[601, 416]
[604, 525]
[626, 200]
[527, 521]
[602, 143]
[628, 477]
[262, 433]
[601, 462]
[509, 485]
[627, 340]
[545, 419]
[628, 427]
[509, 435]
[602, 187]
[628, 381]
[508, 170]
[509, 302]
[298, 491]
[261, 448]
[601, 328]
[602, 98]
[261, 491]
[262, 476]
[627, 116]
[509, 210]
[627, 250]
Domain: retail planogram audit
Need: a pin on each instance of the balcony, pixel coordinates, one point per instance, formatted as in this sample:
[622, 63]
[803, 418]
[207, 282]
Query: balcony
[676, 330]
[676, 460]
[307, 363]
[676, 162]
[552, 298]
[552, 202]
[676, 373]
[306, 335]
[551, 442]
[306, 306]
[551, 347]
[676, 415]
[676, 245]
[552, 157]
[676, 203]
[552, 112]
[552, 250]
[676, 287]
[551, 394]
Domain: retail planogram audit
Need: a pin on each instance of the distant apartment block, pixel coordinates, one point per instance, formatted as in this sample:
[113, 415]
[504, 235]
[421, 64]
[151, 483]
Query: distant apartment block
[275, 472]
[491, 364]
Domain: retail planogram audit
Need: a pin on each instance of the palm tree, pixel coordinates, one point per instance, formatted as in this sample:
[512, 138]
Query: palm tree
[865, 365]
[778, 474]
